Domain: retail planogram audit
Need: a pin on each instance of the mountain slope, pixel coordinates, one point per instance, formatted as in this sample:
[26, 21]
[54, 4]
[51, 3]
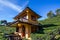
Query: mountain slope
[51, 26]
[51, 23]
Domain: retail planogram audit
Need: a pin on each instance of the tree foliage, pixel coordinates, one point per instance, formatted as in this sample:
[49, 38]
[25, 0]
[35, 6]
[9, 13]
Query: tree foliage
[4, 22]
[58, 12]
[50, 14]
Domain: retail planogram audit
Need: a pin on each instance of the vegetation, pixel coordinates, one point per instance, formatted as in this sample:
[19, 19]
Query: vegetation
[58, 12]
[50, 14]
[5, 30]
[51, 29]
[3, 22]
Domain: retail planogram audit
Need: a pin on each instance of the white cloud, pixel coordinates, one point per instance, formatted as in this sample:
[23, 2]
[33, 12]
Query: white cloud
[11, 5]
[26, 4]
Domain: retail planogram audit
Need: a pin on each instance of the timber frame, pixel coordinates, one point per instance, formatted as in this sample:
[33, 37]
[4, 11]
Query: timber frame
[25, 21]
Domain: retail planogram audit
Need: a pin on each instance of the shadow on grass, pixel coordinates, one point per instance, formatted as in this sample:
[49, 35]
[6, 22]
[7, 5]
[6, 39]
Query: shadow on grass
[49, 25]
[41, 28]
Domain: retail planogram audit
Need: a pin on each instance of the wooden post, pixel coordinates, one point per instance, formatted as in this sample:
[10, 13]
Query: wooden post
[28, 32]
[20, 31]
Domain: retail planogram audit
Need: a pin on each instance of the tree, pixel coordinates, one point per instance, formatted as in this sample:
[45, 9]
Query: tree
[50, 14]
[4, 22]
[58, 12]
[0, 23]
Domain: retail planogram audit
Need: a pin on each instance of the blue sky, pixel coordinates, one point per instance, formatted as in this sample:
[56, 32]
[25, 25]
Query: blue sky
[10, 8]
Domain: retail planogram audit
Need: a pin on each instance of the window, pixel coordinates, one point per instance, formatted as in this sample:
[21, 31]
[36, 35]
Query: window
[33, 18]
[25, 16]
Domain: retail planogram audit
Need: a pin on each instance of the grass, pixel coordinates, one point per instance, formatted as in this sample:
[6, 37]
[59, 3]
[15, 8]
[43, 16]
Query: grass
[48, 28]
[5, 29]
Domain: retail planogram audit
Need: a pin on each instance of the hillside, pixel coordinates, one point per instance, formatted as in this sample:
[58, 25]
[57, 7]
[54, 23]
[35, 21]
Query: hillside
[51, 26]
[51, 23]
[5, 30]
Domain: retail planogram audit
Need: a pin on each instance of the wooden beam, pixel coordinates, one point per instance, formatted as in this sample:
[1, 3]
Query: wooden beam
[28, 31]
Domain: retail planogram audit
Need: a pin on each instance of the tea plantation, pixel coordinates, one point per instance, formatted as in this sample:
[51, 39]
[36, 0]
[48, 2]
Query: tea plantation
[51, 30]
